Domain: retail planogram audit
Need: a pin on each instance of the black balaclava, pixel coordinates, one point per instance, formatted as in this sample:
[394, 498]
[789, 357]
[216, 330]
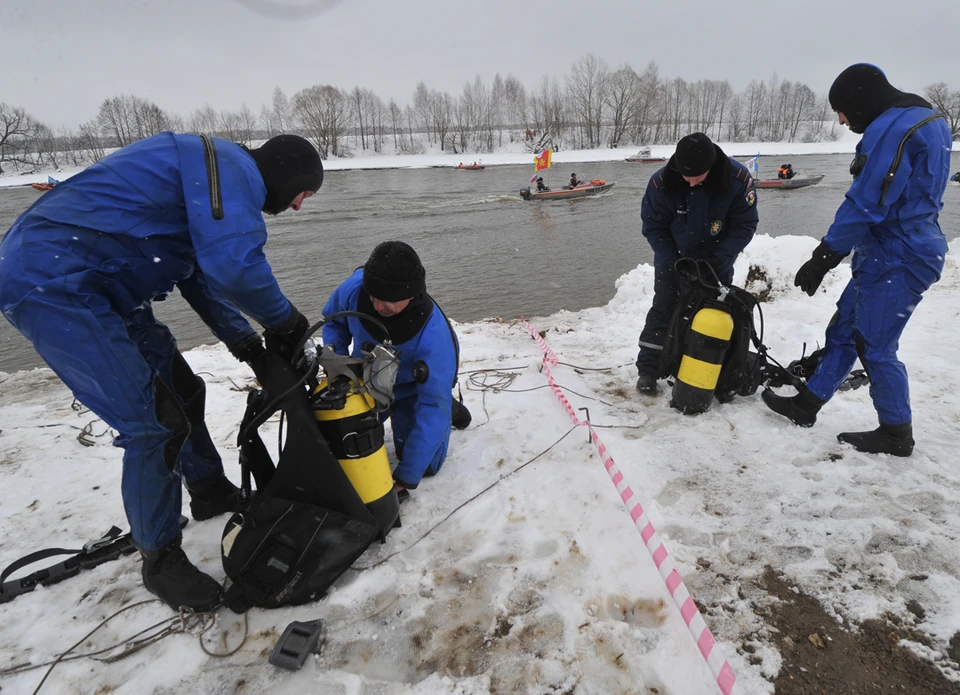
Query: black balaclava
[391, 274]
[862, 93]
[695, 155]
[289, 165]
[394, 272]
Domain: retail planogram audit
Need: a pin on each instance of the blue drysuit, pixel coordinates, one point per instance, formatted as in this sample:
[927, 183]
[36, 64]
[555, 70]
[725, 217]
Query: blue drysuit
[78, 271]
[421, 414]
[899, 252]
[714, 220]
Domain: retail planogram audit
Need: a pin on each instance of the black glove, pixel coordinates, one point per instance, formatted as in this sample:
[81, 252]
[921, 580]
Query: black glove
[284, 340]
[250, 349]
[811, 273]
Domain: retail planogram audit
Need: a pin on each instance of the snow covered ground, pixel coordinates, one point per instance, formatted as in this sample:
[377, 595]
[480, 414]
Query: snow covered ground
[540, 584]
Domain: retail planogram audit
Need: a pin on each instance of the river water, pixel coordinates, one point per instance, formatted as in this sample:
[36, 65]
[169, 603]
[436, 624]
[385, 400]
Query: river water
[487, 253]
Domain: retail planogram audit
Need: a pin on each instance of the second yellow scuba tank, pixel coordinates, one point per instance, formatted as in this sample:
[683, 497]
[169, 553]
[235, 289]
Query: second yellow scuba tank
[705, 347]
[346, 417]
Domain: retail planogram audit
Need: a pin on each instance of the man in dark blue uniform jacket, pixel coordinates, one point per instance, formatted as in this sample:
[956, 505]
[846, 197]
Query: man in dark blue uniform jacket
[702, 204]
[78, 273]
[889, 221]
[391, 287]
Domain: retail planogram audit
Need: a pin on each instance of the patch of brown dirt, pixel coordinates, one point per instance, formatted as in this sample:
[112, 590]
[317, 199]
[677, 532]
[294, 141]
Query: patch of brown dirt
[758, 283]
[821, 657]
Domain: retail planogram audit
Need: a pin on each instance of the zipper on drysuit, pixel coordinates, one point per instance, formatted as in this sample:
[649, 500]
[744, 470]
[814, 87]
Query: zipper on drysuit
[213, 175]
[892, 172]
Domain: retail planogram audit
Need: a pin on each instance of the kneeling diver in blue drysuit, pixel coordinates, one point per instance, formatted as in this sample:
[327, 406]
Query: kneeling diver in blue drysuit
[391, 287]
[890, 221]
[78, 272]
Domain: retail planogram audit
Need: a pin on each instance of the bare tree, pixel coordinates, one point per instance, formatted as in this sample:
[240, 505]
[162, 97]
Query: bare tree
[947, 102]
[281, 111]
[45, 145]
[115, 120]
[238, 126]
[515, 103]
[72, 152]
[91, 140]
[676, 102]
[247, 125]
[378, 116]
[396, 125]
[127, 118]
[646, 119]
[736, 128]
[461, 125]
[358, 104]
[754, 105]
[548, 110]
[724, 95]
[820, 115]
[205, 120]
[441, 115]
[587, 85]
[323, 112]
[275, 118]
[804, 101]
[475, 102]
[411, 118]
[622, 98]
[423, 107]
[498, 109]
[15, 127]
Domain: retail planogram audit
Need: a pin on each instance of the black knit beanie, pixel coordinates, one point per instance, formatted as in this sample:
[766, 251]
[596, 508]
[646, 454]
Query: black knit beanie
[289, 165]
[394, 273]
[862, 92]
[695, 155]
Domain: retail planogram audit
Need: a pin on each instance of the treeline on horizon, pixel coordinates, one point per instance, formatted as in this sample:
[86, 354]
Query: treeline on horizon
[594, 106]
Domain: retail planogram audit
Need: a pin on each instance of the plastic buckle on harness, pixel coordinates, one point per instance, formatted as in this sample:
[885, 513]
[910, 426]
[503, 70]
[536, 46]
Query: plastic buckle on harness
[106, 539]
[296, 643]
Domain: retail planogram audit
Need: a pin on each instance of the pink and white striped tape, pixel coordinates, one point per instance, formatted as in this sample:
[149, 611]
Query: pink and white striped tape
[658, 551]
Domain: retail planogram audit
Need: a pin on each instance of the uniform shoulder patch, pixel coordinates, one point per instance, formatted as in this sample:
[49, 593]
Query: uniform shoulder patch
[751, 197]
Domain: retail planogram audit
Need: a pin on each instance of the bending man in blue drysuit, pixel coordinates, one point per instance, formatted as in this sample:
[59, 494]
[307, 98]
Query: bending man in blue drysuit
[890, 221]
[78, 272]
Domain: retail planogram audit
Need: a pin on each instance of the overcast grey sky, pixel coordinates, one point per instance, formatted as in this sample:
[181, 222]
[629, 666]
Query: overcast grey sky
[60, 58]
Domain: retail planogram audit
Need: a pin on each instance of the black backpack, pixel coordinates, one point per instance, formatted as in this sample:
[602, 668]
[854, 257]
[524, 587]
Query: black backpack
[746, 364]
[305, 524]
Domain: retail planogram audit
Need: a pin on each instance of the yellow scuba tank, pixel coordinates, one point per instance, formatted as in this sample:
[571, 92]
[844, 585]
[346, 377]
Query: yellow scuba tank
[706, 345]
[354, 433]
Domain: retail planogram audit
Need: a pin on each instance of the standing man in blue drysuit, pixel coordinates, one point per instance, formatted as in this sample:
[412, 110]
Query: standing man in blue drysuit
[890, 221]
[78, 272]
[391, 287]
[702, 205]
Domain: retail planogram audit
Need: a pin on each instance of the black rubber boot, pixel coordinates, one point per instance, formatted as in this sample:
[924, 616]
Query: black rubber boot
[896, 440]
[169, 574]
[647, 384]
[212, 497]
[460, 416]
[801, 409]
